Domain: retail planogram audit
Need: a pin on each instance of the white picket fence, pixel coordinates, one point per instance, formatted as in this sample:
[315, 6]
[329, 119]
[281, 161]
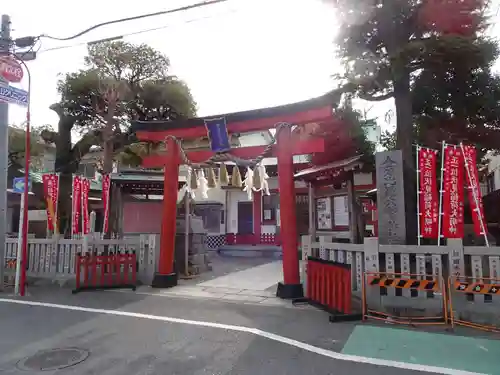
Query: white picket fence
[477, 263]
[55, 258]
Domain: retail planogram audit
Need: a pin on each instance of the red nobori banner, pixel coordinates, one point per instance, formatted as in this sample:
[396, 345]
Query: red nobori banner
[51, 192]
[475, 197]
[428, 202]
[106, 184]
[85, 206]
[76, 203]
[453, 194]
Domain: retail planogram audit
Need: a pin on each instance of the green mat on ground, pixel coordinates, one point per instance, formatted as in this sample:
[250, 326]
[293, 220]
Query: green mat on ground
[423, 348]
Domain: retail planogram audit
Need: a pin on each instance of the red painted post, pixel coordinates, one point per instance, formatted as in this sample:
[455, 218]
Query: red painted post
[103, 263]
[118, 268]
[328, 286]
[348, 291]
[85, 264]
[314, 276]
[93, 272]
[111, 268]
[126, 266]
[291, 287]
[310, 269]
[133, 262]
[338, 289]
[78, 264]
[165, 277]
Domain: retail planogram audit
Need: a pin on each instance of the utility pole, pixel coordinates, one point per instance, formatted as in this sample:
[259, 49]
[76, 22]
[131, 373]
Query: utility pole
[5, 45]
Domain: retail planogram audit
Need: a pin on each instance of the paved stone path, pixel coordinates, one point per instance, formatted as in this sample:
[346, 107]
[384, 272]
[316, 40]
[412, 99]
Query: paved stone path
[257, 278]
[255, 285]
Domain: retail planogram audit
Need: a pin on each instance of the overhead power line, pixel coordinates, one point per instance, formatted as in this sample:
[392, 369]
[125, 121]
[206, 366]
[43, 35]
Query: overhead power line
[170, 11]
[133, 33]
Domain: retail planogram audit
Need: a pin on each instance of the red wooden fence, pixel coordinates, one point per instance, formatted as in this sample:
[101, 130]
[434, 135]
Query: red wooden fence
[112, 271]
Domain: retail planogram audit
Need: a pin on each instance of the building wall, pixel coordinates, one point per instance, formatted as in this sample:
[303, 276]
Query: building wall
[142, 217]
[145, 216]
[364, 179]
[493, 173]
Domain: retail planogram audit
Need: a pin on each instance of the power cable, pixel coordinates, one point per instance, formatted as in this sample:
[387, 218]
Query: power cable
[24, 53]
[170, 11]
[137, 32]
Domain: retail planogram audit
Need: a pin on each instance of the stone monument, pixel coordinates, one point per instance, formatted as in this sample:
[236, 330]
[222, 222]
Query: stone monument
[390, 198]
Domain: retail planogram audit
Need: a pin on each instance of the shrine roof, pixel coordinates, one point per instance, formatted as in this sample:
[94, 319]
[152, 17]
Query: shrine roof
[142, 182]
[330, 169]
[255, 114]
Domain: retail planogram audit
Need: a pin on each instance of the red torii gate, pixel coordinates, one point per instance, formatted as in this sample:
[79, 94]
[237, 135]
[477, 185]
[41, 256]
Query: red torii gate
[310, 111]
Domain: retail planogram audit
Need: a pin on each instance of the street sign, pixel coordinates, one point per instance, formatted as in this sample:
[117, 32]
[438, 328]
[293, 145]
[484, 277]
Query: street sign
[10, 94]
[11, 70]
[18, 185]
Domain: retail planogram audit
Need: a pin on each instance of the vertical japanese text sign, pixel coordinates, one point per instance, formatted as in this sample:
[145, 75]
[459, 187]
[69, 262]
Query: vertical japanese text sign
[453, 194]
[106, 185]
[475, 197]
[429, 211]
[51, 192]
[390, 195]
[76, 203]
[85, 206]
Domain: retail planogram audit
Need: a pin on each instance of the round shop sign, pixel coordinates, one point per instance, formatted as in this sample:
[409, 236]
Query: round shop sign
[11, 70]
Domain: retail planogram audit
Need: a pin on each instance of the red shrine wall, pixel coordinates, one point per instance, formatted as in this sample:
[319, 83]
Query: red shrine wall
[142, 217]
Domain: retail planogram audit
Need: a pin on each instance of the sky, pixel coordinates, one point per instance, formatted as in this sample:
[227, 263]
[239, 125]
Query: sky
[238, 55]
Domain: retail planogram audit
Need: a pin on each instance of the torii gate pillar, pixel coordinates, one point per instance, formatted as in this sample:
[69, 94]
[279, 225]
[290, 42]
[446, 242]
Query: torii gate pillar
[166, 276]
[291, 286]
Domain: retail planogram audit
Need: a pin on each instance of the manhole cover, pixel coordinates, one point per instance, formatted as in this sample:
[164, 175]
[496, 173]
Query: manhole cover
[53, 359]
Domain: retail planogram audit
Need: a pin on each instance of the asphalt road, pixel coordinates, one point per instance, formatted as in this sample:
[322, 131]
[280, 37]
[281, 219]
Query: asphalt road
[133, 345]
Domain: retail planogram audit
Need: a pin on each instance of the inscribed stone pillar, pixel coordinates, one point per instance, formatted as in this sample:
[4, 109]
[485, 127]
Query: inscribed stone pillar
[390, 198]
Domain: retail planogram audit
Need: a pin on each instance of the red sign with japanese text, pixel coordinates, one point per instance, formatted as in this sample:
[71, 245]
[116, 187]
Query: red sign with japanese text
[428, 202]
[105, 201]
[51, 192]
[475, 197]
[10, 69]
[85, 206]
[453, 194]
[76, 203]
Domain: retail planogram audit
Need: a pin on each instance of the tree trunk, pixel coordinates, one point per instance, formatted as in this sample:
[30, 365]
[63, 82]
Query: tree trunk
[65, 165]
[107, 163]
[404, 142]
[64, 204]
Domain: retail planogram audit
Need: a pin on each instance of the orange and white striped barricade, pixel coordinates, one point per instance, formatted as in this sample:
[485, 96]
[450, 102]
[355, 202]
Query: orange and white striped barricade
[474, 302]
[423, 303]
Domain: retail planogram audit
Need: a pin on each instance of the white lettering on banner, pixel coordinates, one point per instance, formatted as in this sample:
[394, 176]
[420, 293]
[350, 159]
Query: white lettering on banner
[455, 206]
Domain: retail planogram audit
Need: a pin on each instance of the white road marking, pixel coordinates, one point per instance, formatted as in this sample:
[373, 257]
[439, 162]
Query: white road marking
[257, 332]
